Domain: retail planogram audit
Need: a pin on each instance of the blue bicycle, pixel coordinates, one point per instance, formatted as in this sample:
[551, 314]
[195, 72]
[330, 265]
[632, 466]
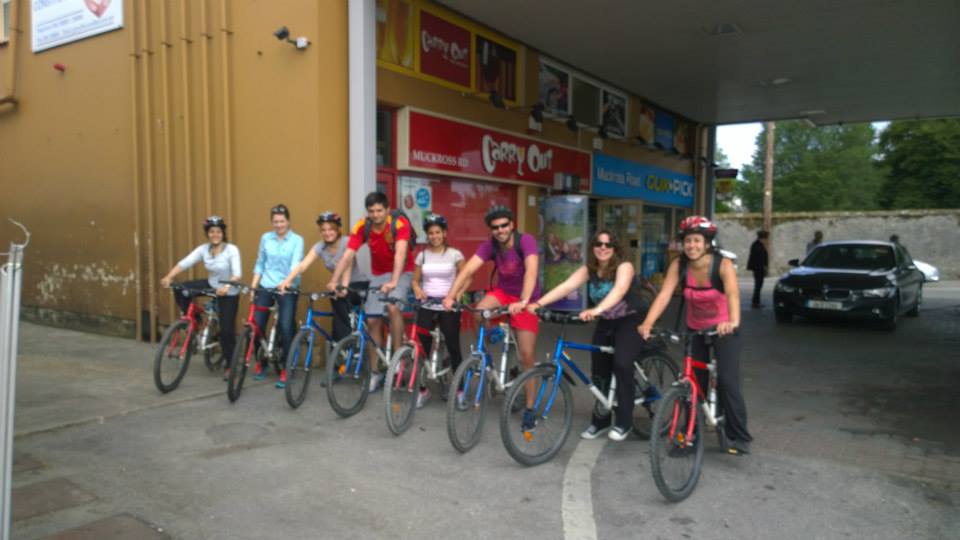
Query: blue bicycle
[348, 368]
[301, 356]
[552, 409]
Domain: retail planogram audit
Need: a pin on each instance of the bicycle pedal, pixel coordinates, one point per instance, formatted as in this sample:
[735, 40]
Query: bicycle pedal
[528, 435]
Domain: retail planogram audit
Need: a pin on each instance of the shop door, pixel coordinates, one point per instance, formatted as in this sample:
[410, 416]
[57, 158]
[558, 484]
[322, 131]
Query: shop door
[624, 218]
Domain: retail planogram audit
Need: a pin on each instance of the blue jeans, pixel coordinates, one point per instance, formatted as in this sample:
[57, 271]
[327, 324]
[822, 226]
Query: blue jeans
[286, 317]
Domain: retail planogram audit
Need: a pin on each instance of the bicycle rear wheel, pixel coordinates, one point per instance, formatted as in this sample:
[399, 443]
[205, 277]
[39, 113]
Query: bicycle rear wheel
[239, 364]
[173, 358]
[653, 375]
[551, 417]
[467, 404]
[347, 388]
[400, 390]
[299, 364]
[675, 460]
[212, 351]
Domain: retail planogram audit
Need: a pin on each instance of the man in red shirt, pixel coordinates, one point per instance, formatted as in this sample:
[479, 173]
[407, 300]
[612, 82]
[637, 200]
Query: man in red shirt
[391, 267]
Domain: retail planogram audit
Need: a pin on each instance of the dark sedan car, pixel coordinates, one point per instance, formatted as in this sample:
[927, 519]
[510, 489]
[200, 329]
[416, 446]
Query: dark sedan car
[854, 279]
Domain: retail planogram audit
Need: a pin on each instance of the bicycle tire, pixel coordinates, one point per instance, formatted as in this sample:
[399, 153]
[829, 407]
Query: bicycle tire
[666, 451]
[468, 377]
[238, 365]
[169, 356]
[340, 384]
[541, 444]
[399, 394]
[213, 362]
[299, 363]
[661, 372]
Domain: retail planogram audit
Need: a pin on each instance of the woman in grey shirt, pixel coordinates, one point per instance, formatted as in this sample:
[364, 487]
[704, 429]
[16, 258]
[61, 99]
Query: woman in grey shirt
[222, 261]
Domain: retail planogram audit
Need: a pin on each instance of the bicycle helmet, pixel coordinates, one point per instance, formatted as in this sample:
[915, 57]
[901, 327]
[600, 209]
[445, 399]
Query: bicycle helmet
[214, 221]
[497, 212]
[330, 217]
[698, 225]
[434, 219]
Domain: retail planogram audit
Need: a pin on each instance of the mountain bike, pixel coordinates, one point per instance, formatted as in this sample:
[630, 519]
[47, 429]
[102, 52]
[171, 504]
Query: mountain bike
[301, 357]
[348, 366]
[477, 380]
[676, 451]
[180, 340]
[253, 344]
[552, 408]
[411, 368]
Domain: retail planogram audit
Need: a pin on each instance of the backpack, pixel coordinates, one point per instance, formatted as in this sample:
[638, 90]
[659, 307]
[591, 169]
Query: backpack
[715, 281]
[391, 232]
[495, 246]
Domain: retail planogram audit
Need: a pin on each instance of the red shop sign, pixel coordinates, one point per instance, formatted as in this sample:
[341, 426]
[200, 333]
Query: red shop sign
[444, 49]
[439, 144]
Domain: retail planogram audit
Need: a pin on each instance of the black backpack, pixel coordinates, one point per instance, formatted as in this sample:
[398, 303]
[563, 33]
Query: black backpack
[715, 281]
[395, 215]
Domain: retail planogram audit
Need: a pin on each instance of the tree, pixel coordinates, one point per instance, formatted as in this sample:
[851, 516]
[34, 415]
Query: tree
[921, 162]
[815, 169]
[723, 162]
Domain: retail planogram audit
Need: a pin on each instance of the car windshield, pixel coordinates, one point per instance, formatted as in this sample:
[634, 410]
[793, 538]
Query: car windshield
[852, 257]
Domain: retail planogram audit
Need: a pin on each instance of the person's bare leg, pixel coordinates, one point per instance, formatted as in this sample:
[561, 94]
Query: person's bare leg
[396, 326]
[375, 325]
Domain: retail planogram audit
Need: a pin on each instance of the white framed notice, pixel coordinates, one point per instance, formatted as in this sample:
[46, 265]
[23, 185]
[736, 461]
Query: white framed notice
[58, 22]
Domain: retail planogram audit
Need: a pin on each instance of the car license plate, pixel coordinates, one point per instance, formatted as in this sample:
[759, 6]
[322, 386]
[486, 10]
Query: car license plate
[818, 304]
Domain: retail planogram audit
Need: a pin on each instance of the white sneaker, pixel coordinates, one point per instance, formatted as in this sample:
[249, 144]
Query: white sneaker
[376, 381]
[618, 434]
[423, 397]
[593, 431]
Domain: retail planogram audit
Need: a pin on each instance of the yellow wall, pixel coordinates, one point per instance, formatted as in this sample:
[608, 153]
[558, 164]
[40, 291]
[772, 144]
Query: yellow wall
[225, 122]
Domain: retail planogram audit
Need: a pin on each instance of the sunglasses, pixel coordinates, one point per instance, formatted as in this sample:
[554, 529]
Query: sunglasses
[498, 226]
[603, 245]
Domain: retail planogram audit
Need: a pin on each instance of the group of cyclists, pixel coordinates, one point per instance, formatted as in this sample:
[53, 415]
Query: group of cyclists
[624, 305]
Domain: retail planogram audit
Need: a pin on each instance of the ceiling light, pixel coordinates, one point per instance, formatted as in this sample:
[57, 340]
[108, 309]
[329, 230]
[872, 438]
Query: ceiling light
[780, 81]
[722, 29]
[812, 112]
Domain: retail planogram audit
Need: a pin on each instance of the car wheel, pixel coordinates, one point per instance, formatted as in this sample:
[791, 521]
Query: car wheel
[783, 316]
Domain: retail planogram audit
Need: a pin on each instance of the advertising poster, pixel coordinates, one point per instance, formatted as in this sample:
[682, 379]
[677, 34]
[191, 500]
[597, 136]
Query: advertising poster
[444, 50]
[395, 33]
[554, 90]
[58, 22]
[614, 113]
[680, 132]
[564, 246]
[624, 179]
[664, 134]
[646, 123]
[496, 68]
[416, 200]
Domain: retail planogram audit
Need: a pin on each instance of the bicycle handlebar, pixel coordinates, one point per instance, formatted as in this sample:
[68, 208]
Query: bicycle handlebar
[186, 291]
[244, 288]
[676, 337]
[560, 317]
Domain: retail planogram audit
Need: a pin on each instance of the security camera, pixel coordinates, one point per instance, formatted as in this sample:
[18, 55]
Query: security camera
[282, 33]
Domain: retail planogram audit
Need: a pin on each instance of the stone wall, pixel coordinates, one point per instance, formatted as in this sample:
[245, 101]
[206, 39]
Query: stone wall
[932, 236]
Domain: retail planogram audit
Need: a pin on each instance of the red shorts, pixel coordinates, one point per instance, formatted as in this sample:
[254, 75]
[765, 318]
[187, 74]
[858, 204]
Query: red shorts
[521, 321]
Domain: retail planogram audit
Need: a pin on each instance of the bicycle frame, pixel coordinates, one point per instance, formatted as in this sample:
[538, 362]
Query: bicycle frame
[432, 363]
[191, 317]
[709, 401]
[311, 323]
[500, 375]
[266, 344]
[383, 353]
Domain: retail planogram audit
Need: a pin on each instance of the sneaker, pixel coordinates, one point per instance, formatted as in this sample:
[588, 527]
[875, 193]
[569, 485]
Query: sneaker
[423, 397]
[461, 401]
[738, 448]
[618, 434]
[594, 430]
[260, 372]
[283, 379]
[376, 382]
[529, 421]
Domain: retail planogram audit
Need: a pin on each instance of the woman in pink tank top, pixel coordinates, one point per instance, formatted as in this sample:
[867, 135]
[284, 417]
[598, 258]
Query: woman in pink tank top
[712, 299]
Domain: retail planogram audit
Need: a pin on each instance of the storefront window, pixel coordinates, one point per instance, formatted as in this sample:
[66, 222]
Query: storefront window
[384, 137]
[656, 241]
[586, 102]
[496, 68]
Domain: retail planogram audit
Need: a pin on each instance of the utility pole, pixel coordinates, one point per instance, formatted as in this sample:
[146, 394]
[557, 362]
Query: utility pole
[768, 180]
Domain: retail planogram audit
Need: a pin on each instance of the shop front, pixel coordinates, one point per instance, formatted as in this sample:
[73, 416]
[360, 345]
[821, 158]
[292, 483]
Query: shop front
[642, 205]
[460, 169]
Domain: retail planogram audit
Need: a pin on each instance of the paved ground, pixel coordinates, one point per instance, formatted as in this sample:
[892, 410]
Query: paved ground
[854, 440]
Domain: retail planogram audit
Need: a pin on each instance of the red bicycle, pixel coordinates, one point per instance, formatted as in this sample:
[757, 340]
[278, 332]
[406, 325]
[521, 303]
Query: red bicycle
[178, 342]
[253, 345]
[676, 436]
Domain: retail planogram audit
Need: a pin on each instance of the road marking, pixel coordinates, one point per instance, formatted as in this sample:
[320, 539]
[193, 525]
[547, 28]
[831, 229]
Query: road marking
[577, 506]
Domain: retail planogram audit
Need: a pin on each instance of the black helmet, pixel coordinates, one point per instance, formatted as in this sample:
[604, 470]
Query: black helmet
[434, 219]
[329, 217]
[497, 212]
[214, 221]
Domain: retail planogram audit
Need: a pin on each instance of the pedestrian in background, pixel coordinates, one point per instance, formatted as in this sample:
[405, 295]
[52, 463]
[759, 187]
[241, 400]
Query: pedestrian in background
[817, 240]
[758, 262]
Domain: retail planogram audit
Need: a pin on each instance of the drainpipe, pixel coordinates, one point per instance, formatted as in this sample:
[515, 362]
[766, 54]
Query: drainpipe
[361, 28]
[137, 244]
[205, 82]
[12, 46]
[165, 47]
[185, 77]
[146, 53]
[227, 139]
[710, 194]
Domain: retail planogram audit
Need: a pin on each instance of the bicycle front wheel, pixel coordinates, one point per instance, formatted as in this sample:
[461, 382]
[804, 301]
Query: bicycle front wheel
[242, 355]
[675, 457]
[173, 357]
[212, 351]
[400, 390]
[348, 377]
[534, 435]
[299, 363]
[467, 404]
[653, 375]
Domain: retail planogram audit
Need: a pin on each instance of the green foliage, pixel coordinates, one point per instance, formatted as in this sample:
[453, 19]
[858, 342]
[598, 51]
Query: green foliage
[921, 162]
[723, 201]
[815, 169]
